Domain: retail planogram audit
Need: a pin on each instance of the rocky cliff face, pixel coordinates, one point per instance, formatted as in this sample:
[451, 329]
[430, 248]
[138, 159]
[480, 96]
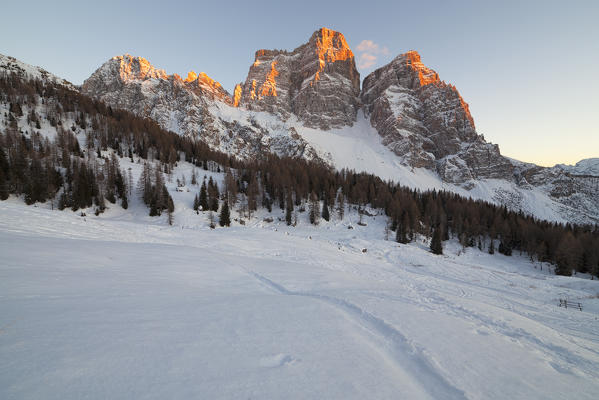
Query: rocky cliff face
[196, 106]
[134, 84]
[427, 123]
[317, 82]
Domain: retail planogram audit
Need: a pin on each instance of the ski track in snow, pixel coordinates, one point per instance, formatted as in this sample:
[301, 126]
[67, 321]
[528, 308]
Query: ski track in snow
[407, 355]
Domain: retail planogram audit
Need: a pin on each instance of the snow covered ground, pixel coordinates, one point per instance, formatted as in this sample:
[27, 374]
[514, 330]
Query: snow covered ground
[124, 306]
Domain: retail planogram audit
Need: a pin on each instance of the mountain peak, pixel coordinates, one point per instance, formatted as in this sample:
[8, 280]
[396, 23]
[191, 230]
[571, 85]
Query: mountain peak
[411, 59]
[317, 82]
[331, 46]
[135, 68]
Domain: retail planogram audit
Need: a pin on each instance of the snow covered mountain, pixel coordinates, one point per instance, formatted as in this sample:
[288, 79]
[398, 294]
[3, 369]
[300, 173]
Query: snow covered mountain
[405, 124]
[307, 103]
[196, 106]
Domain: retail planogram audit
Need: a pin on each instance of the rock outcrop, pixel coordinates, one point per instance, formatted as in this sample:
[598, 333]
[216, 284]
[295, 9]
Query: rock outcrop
[317, 82]
[426, 122]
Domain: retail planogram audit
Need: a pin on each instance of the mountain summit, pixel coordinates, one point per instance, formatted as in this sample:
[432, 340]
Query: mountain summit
[317, 82]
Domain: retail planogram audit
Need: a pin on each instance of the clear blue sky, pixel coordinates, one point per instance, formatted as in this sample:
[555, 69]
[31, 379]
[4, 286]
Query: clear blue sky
[528, 69]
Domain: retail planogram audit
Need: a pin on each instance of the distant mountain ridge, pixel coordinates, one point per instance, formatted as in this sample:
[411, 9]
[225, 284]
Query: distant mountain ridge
[292, 100]
[588, 166]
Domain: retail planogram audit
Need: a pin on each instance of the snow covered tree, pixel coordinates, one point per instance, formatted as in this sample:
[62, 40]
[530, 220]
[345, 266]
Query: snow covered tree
[314, 213]
[211, 219]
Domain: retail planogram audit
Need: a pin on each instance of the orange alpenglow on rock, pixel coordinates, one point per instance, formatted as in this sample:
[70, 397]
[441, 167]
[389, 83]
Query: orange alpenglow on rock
[425, 75]
[191, 76]
[331, 47]
[269, 87]
[208, 81]
[237, 95]
[253, 90]
[203, 80]
[138, 68]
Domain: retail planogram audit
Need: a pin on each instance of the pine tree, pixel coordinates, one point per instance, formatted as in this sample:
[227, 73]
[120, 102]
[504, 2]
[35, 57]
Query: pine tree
[252, 195]
[325, 210]
[204, 197]
[3, 186]
[4, 174]
[401, 233]
[491, 247]
[230, 187]
[225, 218]
[213, 195]
[288, 208]
[436, 244]
[403, 228]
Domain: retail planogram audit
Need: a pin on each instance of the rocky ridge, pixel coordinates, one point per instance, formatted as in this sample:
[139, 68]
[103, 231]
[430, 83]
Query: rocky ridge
[197, 106]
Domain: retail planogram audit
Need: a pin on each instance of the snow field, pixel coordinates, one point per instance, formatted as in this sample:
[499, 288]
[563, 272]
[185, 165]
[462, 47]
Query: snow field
[124, 306]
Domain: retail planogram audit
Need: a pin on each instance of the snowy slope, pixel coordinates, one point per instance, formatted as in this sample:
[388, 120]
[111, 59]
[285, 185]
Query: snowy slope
[12, 65]
[124, 306]
[360, 147]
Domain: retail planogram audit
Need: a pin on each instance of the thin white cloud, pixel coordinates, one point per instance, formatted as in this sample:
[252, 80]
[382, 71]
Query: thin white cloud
[368, 53]
[366, 60]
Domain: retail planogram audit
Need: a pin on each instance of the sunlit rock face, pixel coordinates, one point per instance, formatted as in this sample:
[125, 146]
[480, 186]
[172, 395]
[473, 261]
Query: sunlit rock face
[134, 72]
[317, 82]
[427, 123]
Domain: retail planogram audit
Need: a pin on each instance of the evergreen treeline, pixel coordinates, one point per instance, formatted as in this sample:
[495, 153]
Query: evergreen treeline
[40, 169]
